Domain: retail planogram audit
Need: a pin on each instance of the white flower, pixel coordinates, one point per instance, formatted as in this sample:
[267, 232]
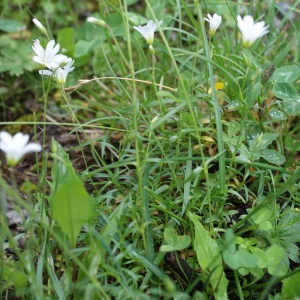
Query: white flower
[48, 57]
[214, 23]
[16, 146]
[60, 74]
[96, 21]
[40, 26]
[250, 31]
[148, 30]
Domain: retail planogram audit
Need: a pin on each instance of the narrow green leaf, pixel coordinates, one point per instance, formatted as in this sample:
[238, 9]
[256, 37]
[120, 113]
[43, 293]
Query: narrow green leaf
[55, 282]
[282, 53]
[15, 277]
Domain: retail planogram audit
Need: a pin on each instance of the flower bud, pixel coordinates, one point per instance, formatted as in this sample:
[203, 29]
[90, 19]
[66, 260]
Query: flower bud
[39, 25]
[96, 21]
[152, 51]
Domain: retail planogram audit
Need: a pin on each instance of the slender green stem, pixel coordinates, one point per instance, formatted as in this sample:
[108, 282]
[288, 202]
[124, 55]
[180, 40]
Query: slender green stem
[161, 109]
[138, 145]
[238, 285]
[217, 109]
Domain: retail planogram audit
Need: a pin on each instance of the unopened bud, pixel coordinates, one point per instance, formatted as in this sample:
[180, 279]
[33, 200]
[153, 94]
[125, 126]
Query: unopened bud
[152, 51]
[259, 138]
[53, 146]
[39, 25]
[247, 59]
[96, 21]
[154, 119]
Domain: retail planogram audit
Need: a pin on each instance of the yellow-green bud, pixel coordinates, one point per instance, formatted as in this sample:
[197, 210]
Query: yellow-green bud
[39, 25]
[152, 51]
[96, 21]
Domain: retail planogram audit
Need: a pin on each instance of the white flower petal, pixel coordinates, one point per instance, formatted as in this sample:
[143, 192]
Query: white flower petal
[15, 147]
[48, 57]
[148, 30]
[45, 72]
[5, 137]
[20, 139]
[62, 73]
[214, 23]
[37, 48]
[32, 147]
[251, 31]
[40, 26]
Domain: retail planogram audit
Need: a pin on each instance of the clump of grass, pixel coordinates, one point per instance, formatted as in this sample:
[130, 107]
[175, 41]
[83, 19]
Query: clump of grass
[179, 175]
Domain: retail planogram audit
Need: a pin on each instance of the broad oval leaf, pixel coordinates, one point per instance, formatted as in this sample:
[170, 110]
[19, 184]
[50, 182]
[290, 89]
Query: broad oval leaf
[261, 257]
[292, 106]
[276, 263]
[284, 91]
[291, 287]
[265, 225]
[233, 128]
[246, 259]
[263, 214]
[65, 38]
[71, 208]
[286, 74]
[273, 157]
[277, 115]
[136, 18]
[209, 258]
[10, 25]
[84, 47]
[174, 241]
[230, 260]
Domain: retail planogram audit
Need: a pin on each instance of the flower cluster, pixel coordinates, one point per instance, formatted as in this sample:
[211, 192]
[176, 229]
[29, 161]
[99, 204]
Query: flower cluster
[250, 31]
[15, 147]
[60, 65]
